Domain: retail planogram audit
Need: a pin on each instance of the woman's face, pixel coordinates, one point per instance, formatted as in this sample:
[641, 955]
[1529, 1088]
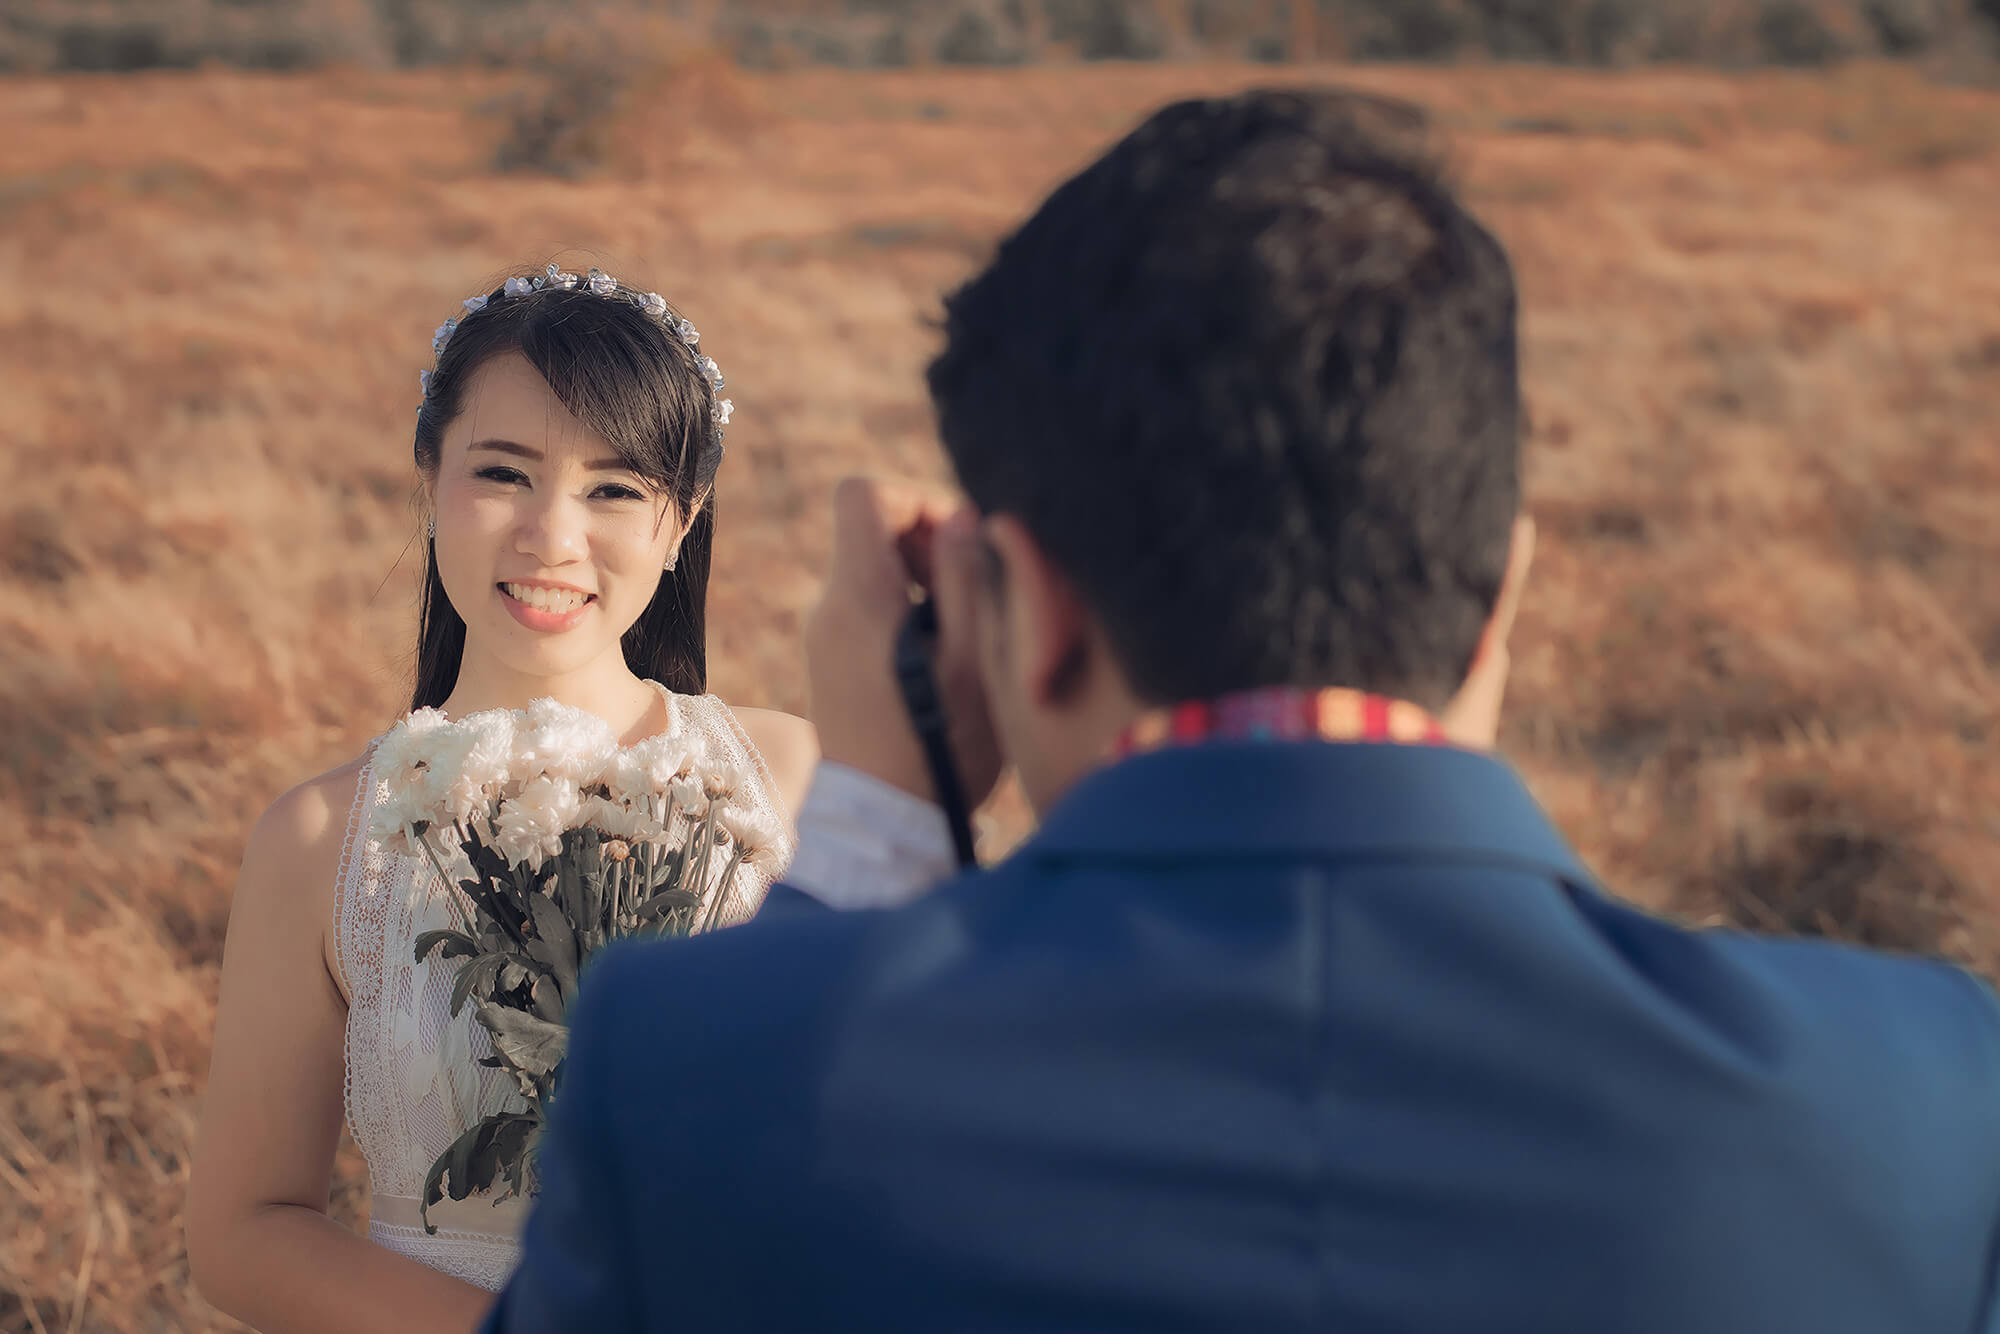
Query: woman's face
[549, 547]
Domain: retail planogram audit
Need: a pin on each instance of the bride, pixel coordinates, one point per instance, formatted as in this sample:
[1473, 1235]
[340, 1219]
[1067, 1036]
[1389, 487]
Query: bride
[567, 444]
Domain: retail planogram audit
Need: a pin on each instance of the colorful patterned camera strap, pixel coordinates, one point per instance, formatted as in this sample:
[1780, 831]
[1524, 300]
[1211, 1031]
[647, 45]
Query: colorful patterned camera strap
[1283, 713]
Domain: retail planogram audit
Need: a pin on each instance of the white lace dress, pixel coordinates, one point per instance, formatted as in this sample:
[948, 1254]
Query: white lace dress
[414, 1082]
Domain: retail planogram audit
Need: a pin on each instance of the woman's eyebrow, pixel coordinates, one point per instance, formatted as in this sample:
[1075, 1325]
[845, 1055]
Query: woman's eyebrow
[529, 452]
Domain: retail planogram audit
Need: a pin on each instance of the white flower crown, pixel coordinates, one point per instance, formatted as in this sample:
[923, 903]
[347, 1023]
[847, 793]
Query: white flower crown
[603, 284]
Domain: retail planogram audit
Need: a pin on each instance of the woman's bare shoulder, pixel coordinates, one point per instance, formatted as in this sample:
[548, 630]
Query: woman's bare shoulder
[790, 747]
[292, 859]
[312, 815]
[286, 888]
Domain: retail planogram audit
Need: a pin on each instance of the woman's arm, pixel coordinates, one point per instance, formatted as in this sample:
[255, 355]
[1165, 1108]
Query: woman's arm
[260, 1244]
[790, 747]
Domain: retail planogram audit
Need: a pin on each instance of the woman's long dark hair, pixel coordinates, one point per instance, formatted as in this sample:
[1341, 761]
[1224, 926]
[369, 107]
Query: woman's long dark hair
[631, 379]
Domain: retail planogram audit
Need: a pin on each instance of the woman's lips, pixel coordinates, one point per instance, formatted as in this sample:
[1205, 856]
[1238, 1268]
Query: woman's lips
[547, 622]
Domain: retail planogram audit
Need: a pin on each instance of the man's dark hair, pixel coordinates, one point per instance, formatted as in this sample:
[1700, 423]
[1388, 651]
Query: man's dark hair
[1250, 380]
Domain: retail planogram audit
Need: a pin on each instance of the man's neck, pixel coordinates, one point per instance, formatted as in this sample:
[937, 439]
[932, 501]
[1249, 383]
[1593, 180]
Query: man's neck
[1116, 726]
[1282, 713]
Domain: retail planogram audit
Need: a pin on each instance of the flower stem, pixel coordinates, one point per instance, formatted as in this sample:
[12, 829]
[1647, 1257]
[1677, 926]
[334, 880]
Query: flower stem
[726, 889]
[450, 890]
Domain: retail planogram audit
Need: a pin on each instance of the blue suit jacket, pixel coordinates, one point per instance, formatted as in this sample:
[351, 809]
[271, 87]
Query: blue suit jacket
[1271, 1037]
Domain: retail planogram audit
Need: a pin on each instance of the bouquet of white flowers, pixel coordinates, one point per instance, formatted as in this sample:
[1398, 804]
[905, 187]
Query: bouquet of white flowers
[551, 841]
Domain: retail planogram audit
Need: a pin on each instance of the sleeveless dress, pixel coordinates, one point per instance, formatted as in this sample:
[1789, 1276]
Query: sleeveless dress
[414, 1082]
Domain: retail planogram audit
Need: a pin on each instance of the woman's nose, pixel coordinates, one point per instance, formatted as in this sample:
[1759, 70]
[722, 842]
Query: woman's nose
[553, 533]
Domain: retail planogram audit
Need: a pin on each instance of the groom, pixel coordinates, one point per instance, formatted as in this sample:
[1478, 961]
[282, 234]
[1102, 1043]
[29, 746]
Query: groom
[1296, 1013]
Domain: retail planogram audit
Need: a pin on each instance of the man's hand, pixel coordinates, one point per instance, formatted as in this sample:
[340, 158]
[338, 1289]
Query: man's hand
[887, 536]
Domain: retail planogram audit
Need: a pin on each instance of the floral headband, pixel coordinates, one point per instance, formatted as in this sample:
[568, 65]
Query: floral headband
[603, 284]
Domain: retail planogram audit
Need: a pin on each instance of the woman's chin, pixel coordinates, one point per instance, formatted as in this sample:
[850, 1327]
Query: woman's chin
[549, 655]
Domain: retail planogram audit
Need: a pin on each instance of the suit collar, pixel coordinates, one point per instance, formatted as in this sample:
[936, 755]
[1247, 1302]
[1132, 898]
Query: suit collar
[1311, 798]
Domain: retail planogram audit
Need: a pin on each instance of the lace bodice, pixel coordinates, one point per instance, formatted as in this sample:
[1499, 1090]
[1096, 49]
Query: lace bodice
[414, 1082]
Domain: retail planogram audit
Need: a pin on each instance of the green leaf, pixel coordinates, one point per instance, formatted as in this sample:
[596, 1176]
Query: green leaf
[455, 944]
[497, 911]
[475, 1160]
[667, 900]
[668, 874]
[460, 1158]
[528, 1043]
[557, 936]
[515, 1143]
[488, 863]
[547, 999]
[569, 888]
[589, 903]
[496, 891]
[478, 973]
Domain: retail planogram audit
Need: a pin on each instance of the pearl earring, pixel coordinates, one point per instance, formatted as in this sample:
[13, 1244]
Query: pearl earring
[432, 526]
[670, 560]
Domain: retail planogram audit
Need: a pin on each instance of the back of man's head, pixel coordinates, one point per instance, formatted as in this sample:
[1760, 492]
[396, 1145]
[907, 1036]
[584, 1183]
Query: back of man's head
[1250, 382]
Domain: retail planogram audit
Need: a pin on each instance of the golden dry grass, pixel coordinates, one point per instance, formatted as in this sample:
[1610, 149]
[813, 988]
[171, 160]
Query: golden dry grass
[1756, 672]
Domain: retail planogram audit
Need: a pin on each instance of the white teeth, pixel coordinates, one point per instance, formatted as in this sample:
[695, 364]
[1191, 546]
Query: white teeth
[545, 599]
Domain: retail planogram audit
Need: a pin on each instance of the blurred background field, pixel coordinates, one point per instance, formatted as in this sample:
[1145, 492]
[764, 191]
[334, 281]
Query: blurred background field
[883, 34]
[1758, 673]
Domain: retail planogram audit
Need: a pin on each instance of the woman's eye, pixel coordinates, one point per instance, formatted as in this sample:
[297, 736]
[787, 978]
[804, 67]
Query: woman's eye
[613, 491]
[501, 475]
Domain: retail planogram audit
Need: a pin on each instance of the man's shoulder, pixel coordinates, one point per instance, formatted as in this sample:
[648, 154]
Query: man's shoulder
[1858, 1007]
[1861, 978]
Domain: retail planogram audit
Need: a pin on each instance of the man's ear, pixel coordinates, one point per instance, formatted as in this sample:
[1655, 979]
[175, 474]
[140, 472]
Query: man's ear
[1473, 716]
[1048, 639]
[1520, 558]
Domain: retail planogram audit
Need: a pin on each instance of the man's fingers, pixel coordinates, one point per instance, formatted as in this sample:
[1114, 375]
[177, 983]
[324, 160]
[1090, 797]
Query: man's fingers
[861, 534]
[876, 521]
[955, 586]
[960, 568]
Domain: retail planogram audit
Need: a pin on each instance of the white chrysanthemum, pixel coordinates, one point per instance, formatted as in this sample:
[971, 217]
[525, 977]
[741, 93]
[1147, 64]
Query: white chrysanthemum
[647, 767]
[389, 823]
[619, 820]
[688, 796]
[723, 411]
[403, 757]
[407, 763]
[757, 834]
[444, 772]
[719, 782]
[473, 766]
[529, 829]
[560, 742]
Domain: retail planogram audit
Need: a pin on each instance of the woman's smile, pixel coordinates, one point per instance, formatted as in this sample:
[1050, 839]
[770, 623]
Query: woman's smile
[547, 608]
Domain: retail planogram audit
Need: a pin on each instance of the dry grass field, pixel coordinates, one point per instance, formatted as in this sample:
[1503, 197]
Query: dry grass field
[1758, 673]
